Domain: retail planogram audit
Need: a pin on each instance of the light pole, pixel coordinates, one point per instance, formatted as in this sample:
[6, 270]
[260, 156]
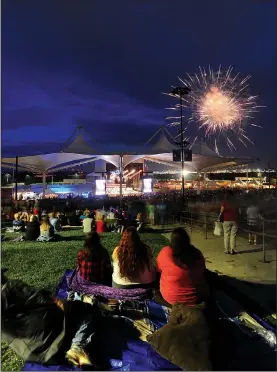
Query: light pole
[268, 175]
[179, 92]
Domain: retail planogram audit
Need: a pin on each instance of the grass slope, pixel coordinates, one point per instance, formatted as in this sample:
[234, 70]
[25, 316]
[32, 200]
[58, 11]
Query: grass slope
[41, 265]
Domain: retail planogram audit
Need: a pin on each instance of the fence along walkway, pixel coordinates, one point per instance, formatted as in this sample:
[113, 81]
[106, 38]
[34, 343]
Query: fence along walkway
[205, 222]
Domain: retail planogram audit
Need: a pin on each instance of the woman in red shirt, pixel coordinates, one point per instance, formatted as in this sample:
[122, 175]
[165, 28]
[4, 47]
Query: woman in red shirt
[182, 268]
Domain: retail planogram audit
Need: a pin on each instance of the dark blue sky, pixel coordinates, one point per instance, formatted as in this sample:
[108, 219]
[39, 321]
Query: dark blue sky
[103, 64]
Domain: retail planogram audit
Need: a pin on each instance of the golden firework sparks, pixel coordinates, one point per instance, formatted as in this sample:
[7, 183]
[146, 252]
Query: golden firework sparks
[219, 106]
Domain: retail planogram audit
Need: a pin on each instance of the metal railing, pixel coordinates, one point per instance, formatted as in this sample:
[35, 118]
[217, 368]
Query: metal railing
[207, 220]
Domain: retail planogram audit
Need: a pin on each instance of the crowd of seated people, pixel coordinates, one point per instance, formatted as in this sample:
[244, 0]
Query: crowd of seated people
[104, 221]
[179, 274]
[40, 227]
[52, 222]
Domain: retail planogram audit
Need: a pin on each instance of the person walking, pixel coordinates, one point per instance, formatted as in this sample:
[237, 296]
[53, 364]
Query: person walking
[229, 213]
[253, 218]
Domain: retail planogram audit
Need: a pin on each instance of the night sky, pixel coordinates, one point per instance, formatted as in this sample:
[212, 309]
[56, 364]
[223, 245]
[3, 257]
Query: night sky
[104, 64]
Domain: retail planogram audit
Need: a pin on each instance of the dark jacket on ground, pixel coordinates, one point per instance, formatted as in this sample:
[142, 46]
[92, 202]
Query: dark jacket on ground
[185, 339]
[35, 327]
[32, 231]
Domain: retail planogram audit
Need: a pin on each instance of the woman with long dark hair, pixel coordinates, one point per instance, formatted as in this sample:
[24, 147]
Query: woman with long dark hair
[182, 268]
[132, 262]
[94, 262]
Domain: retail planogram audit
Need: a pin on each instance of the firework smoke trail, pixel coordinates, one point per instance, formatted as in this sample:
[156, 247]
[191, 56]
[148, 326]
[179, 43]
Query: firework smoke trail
[219, 106]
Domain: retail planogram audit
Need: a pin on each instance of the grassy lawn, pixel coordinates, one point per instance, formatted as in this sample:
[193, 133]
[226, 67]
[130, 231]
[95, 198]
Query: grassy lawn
[41, 265]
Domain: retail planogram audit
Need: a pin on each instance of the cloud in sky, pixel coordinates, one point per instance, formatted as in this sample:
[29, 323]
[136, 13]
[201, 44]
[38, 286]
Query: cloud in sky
[105, 64]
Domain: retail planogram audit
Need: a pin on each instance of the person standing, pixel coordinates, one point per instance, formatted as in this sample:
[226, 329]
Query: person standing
[229, 212]
[253, 217]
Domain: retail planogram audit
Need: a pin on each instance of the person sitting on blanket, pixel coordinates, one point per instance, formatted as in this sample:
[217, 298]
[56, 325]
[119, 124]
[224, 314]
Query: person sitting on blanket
[132, 262]
[89, 224]
[32, 229]
[101, 225]
[40, 328]
[139, 222]
[36, 209]
[55, 221]
[25, 216]
[120, 223]
[182, 269]
[94, 262]
[86, 212]
[46, 230]
[18, 223]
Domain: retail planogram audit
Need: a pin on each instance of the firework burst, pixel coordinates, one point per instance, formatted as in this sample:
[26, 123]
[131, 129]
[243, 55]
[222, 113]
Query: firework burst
[219, 106]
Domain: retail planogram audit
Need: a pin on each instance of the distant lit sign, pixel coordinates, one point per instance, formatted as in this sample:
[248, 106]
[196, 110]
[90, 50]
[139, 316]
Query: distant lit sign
[176, 155]
[187, 155]
[100, 187]
[147, 185]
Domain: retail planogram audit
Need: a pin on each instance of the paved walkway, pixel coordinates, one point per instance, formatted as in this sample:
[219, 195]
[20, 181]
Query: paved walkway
[246, 270]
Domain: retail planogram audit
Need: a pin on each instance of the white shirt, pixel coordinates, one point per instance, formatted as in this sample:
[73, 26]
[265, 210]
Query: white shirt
[111, 216]
[87, 225]
[253, 215]
[145, 277]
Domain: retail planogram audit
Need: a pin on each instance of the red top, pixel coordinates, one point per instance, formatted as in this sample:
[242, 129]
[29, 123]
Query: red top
[36, 211]
[181, 284]
[100, 226]
[230, 212]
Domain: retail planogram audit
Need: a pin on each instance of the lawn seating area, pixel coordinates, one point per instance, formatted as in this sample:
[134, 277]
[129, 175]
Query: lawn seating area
[41, 265]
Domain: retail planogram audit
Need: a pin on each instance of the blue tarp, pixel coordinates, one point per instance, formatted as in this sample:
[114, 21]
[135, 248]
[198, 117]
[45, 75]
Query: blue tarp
[136, 356]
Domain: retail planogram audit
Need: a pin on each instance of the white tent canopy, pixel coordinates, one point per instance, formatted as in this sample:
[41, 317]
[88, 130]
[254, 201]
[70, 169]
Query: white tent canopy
[48, 162]
[157, 150]
[80, 146]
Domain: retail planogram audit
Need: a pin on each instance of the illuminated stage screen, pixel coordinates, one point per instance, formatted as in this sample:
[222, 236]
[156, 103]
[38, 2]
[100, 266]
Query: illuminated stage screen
[147, 185]
[100, 187]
